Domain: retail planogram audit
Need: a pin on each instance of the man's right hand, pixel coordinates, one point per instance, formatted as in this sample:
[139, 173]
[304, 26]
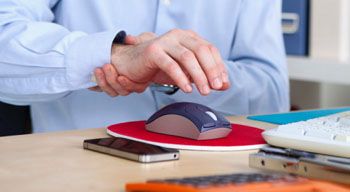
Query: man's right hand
[180, 55]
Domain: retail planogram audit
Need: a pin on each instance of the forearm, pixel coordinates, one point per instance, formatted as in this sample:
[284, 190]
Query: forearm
[16, 99]
[44, 59]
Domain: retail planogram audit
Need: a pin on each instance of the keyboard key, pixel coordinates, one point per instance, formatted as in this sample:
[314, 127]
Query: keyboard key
[342, 138]
[319, 134]
[291, 130]
[345, 121]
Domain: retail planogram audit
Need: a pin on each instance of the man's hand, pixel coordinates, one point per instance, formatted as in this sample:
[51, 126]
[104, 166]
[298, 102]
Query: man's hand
[177, 57]
[109, 81]
[175, 54]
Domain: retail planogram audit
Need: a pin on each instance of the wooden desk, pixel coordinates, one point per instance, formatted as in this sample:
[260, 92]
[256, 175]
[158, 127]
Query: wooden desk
[58, 162]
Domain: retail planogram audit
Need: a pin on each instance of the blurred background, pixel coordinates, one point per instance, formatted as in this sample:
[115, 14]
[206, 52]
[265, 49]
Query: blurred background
[317, 41]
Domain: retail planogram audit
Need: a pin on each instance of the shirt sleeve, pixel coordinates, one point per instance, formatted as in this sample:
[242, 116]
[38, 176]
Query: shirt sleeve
[256, 66]
[41, 60]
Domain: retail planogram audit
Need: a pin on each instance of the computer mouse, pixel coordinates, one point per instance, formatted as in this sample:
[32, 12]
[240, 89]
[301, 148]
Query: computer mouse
[189, 120]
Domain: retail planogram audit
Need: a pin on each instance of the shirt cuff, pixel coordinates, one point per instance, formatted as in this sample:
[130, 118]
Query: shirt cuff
[84, 55]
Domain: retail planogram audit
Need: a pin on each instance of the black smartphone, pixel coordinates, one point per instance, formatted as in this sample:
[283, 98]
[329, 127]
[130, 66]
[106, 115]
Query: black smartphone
[133, 150]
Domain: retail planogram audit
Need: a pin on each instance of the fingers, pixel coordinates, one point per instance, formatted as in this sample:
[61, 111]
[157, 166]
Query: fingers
[198, 58]
[111, 77]
[113, 84]
[162, 78]
[181, 55]
[131, 86]
[189, 62]
[170, 67]
[217, 58]
[209, 59]
[102, 83]
[121, 84]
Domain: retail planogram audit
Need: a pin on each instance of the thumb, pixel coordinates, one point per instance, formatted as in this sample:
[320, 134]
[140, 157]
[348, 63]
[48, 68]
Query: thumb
[132, 86]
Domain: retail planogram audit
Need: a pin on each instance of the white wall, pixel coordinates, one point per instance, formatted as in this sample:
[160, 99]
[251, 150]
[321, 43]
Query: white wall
[311, 95]
[329, 39]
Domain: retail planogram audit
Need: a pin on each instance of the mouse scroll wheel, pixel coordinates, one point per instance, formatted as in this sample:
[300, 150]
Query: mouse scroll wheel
[212, 115]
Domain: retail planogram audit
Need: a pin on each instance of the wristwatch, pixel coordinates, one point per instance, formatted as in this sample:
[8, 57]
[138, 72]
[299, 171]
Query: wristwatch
[164, 88]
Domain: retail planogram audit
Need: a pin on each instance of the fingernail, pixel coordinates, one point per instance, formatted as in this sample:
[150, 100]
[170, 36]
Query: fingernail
[217, 83]
[188, 88]
[225, 78]
[205, 90]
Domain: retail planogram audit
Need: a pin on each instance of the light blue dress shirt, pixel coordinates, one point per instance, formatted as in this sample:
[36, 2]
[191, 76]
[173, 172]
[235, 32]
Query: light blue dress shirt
[49, 48]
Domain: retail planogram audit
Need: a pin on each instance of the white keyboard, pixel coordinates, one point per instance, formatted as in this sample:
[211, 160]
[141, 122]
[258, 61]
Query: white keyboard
[326, 135]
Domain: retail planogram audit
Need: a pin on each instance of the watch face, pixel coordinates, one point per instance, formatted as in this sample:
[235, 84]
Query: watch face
[164, 88]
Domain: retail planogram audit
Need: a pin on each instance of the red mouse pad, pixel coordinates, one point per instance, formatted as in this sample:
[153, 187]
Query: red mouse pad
[241, 138]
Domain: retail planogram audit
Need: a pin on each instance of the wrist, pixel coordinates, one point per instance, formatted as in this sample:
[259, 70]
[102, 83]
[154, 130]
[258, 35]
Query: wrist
[118, 42]
[119, 52]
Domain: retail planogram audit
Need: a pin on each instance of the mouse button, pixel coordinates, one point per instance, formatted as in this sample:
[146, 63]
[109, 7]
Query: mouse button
[209, 125]
[212, 115]
[221, 117]
[197, 117]
[224, 122]
[192, 111]
[206, 111]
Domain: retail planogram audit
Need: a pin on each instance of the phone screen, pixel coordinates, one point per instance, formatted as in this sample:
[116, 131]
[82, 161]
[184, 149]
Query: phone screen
[130, 146]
